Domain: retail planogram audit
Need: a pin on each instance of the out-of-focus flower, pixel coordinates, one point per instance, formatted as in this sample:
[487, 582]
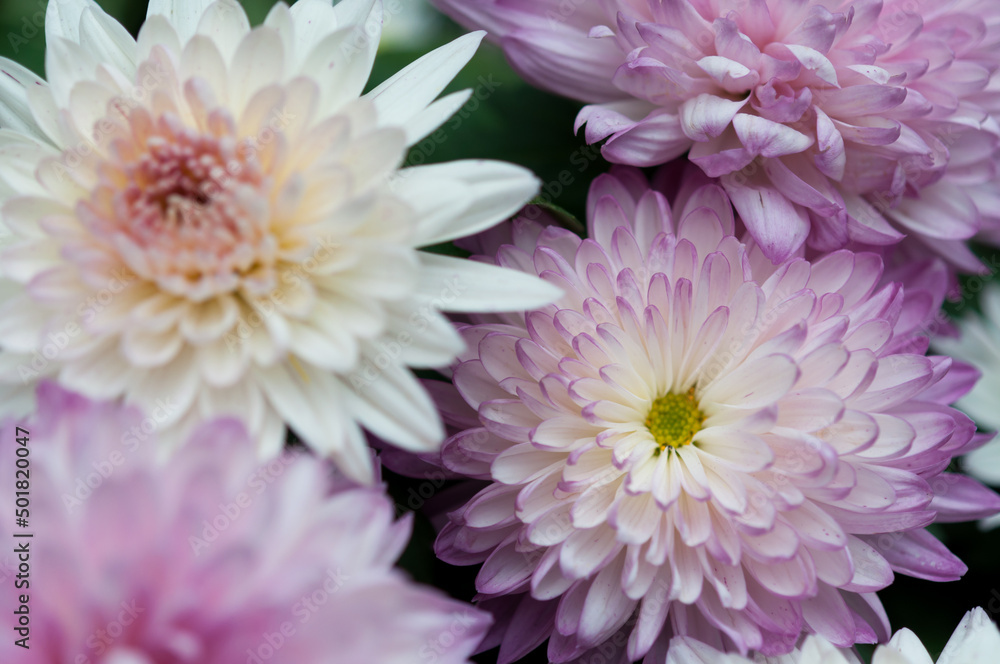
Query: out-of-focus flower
[975, 640]
[979, 344]
[827, 123]
[209, 557]
[696, 442]
[215, 214]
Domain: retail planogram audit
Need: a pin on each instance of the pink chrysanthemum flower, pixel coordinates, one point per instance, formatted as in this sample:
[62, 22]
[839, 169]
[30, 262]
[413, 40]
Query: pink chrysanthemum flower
[214, 214]
[209, 558]
[827, 121]
[695, 442]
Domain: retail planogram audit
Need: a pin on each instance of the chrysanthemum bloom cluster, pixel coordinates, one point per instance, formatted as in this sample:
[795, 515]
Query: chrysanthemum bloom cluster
[212, 216]
[695, 442]
[976, 639]
[826, 122]
[209, 558]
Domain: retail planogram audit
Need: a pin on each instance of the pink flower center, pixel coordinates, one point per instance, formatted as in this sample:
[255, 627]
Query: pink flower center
[185, 208]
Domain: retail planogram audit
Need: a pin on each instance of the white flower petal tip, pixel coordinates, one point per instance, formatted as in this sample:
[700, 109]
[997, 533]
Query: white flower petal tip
[977, 344]
[472, 287]
[404, 96]
[462, 198]
[975, 641]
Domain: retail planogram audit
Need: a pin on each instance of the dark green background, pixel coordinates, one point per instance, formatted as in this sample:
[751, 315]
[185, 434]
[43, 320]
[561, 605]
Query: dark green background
[520, 124]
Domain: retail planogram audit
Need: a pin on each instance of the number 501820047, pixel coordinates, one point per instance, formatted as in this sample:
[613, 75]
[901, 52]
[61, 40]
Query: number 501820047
[22, 478]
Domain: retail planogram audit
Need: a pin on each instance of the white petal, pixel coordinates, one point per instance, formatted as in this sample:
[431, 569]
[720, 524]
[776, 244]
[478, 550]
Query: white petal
[259, 62]
[226, 24]
[243, 400]
[984, 463]
[22, 322]
[15, 113]
[147, 349]
[754, 384]
[89, 101]
[908, 644]
[177, 384]
[66, 64]
[103, 374]
[207, 321]
[339, 70]
[435, 346]
[976, 639]
[312, 403]
[461, 198]
[455, 284]
[224, 362]
[20, 155]
[280, 20]
[815, 61]
[108, 40]
[394, 406]
[184, 15]
[410, 91]
[686, 650]
[201, 58]
[22, 214]
[313, 20]
[434, 116]
[62, 18]
[158, 31]
[324, 346]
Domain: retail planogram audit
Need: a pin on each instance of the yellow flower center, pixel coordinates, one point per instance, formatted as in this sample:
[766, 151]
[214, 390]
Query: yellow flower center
[674, 419]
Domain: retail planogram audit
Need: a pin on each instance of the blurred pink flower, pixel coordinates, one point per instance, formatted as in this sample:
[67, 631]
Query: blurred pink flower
[210, 557]
[696, 442]
[826, 122]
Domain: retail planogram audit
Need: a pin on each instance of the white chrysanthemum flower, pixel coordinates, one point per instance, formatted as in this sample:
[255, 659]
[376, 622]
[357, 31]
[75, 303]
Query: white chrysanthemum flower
[979, 345]
[213, 216]
[975, 641]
